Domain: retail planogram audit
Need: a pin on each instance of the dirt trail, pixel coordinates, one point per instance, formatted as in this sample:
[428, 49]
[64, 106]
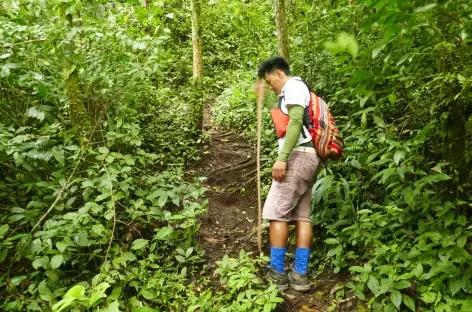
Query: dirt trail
[231, 220]
[230, 224]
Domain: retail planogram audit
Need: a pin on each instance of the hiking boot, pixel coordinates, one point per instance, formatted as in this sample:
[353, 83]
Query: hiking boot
[298, 282]
[280, 279]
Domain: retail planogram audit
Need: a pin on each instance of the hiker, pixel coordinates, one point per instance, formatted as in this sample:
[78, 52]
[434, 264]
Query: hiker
[293, 173]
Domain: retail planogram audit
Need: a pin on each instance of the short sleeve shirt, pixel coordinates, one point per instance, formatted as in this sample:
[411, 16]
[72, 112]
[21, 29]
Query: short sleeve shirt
[295, 92]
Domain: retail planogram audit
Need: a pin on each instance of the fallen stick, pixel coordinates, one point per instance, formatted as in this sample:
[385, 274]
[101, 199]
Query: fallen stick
[243, 184]
[240, 165]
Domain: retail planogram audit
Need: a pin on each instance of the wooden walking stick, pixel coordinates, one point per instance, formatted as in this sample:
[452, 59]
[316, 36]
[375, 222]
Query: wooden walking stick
[260, 96]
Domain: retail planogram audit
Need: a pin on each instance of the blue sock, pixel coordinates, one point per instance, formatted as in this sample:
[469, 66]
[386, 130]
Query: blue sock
[301, 260]
[277, 258]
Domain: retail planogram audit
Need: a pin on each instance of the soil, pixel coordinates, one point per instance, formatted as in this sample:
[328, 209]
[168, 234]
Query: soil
[230, 224]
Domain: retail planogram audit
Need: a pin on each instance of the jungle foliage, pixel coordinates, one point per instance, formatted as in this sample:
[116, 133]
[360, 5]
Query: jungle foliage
[96, 127]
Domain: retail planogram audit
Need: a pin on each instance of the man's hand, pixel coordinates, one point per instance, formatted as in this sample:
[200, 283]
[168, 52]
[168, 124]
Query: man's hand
[278, 170]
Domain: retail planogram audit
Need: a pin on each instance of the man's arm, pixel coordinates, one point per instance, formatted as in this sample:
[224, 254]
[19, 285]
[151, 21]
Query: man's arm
[294, 128]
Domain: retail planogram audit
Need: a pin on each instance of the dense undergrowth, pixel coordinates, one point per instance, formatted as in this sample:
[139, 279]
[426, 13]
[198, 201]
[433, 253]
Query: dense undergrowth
[95, 133]
[96, 128]
[395, 212]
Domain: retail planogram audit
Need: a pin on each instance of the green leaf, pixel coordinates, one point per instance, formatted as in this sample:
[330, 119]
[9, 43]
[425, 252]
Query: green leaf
[103, 150]
[113, 307]
[98, 229]
[192, 308]
[448, 219]
[359, 269]
[35, 113]
[435, 178]
[41, 262]
[373, 285]
[426, 8]
[3, 229]
[98, 293]
[56, 261]
[379, 121]
[344, 43]
[180, 258]
[331, 241]
[335, 251]
[44, 292]
[364, 100]
[355, 163]
[61, 246]
[399, 155]
[139, 244]
[59, 156]
[267, 307]
[33, 307]
[164, 233]
[396, 298]
[438, 167]
[76, 292]
[157, 193]
[42, 90]
[418, 270]
[402, 284]
[61, 305]
[162, 201]
[455, 286]
[364, 121]
[377, 50]
[387, 173]
[428, 297]
[127, 256]
[15, 281]
[462, 220]
[3, 254]
[392, 98]
[148, 294]
[189, 252]
[5, 72]
[403, 59]
[462, 241]
[146, 309]
[409, 302]
[385, 285]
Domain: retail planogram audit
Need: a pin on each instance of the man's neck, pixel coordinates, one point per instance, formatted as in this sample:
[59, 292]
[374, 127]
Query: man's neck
[287, 78]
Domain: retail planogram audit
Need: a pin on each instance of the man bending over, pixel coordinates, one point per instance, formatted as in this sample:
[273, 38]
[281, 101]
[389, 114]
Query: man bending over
[294, 173]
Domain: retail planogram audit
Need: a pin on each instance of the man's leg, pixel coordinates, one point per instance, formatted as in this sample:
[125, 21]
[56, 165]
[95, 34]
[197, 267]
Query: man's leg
[281, 200]
[298, 277]
[304, 234]
[304, 231]
[278, 244]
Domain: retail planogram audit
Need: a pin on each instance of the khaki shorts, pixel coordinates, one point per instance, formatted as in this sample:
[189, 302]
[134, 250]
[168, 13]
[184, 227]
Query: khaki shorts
[290, 200]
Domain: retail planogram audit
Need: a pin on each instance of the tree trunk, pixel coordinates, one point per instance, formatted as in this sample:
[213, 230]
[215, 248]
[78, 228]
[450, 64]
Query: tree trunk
[77, 110]
[197, 103]
[197, 40]
[282, 30]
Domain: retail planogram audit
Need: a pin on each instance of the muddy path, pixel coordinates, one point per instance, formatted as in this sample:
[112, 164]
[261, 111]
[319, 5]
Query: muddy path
[230, 224]
[229, 164]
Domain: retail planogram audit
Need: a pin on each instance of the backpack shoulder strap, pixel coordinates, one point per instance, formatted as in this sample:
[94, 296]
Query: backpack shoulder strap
[279, 103]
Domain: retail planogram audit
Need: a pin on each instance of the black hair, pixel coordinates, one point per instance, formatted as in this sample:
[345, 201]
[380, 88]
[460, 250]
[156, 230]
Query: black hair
[272, 64]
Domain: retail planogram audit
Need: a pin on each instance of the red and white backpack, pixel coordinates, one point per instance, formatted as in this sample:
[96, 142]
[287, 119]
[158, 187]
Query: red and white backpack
[319, 123]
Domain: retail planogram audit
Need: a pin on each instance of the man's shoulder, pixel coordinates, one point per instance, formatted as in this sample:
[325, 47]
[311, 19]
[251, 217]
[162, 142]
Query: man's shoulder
[297, 84]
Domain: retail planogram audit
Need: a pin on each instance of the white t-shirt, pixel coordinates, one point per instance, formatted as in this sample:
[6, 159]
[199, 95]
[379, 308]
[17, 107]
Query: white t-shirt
[295, 92]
